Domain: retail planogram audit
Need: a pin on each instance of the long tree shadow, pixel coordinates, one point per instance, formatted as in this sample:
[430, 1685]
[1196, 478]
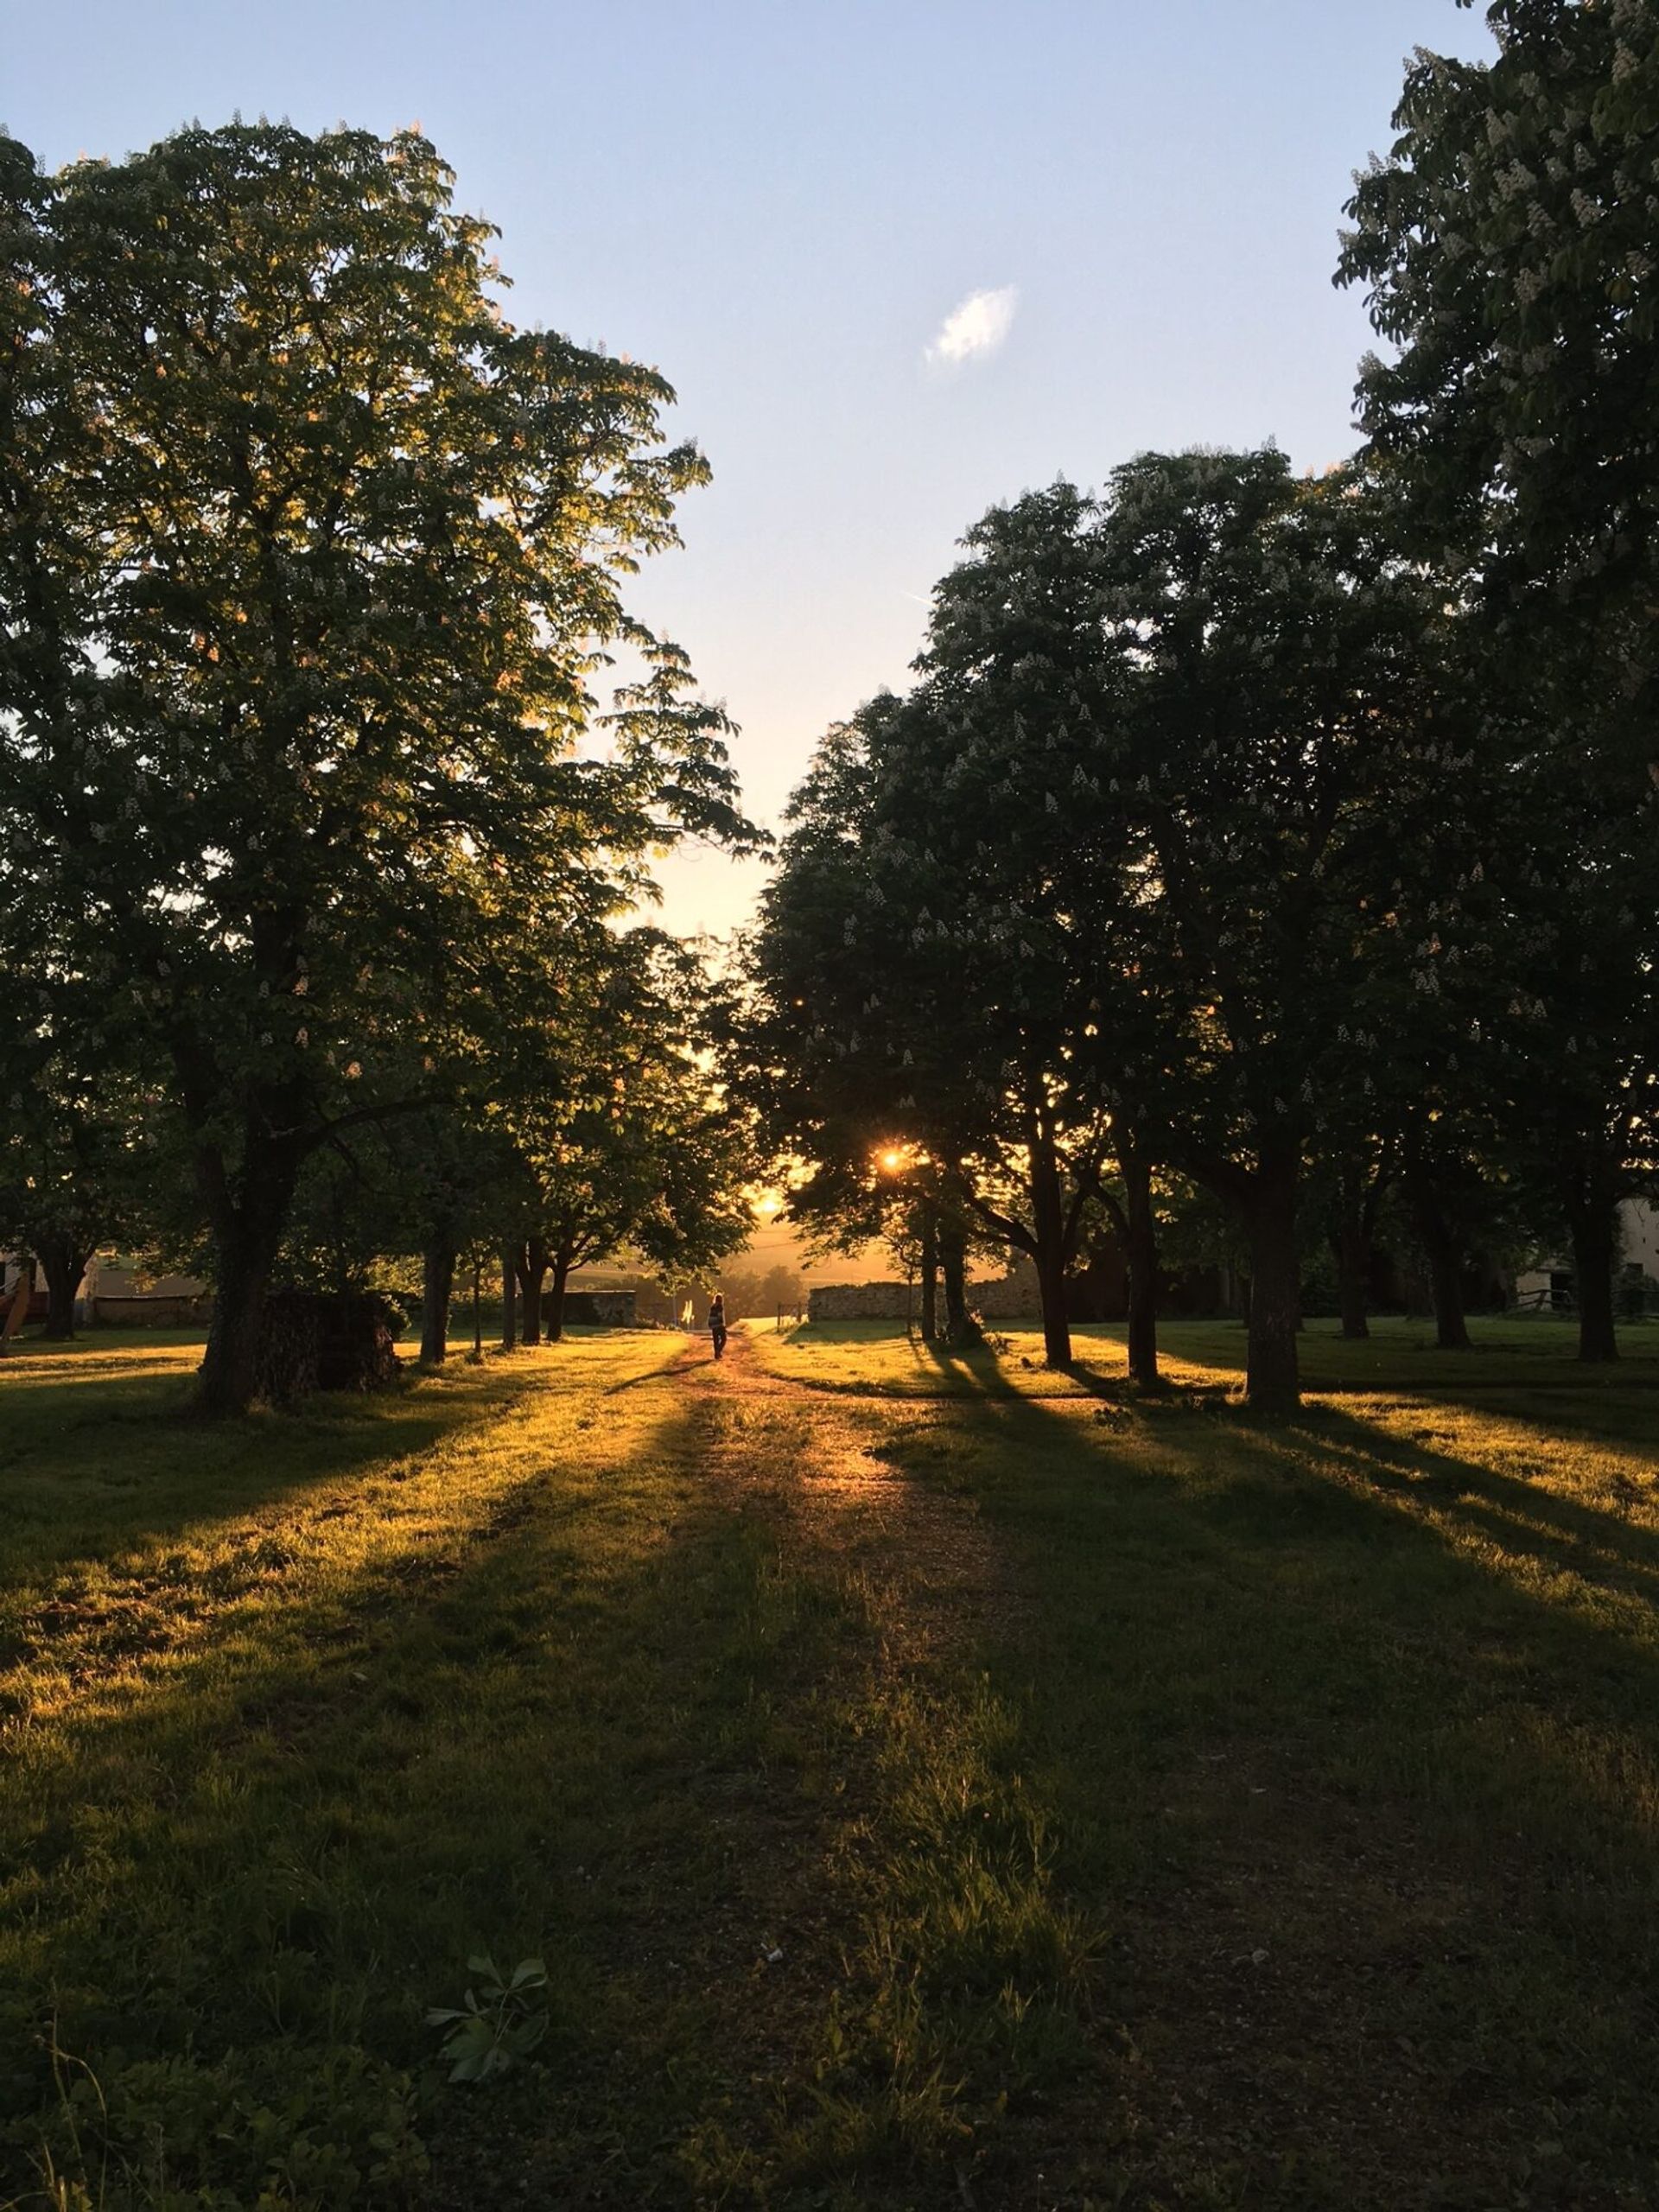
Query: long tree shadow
[1341, 1744]
[584, 1716]
[1611, 1412]
[1264, 1703]
[976, 1371]
[1334, 1481]
[99, 1468]
[397, 1768]
[1468, 1497]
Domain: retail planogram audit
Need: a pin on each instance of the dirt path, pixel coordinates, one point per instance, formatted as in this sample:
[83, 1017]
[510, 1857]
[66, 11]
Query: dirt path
[1260, 1993]
[752, 1913]
[939, 1583]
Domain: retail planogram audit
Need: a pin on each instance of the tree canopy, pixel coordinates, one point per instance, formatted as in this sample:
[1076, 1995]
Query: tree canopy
[314, 561]
[1282, 842]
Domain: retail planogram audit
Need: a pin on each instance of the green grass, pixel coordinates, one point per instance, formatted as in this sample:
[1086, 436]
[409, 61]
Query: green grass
[928, 1781]
[879, 1359]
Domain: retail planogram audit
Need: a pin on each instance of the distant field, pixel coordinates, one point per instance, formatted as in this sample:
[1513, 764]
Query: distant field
[928, 1783]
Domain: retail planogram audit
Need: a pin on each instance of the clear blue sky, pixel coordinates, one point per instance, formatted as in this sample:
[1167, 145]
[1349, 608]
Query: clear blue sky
[779, 202]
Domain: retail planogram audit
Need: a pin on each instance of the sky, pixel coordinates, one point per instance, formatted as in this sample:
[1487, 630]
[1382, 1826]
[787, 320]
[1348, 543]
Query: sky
[901, 259]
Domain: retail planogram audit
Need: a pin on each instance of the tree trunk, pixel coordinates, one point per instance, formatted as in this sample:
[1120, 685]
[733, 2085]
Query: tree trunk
[930, 1274]
[532, 1276]
[960, 1328]
[1445, 1280]
[1444, 1253]
[230, 1367]
[1048, 1225]
[438, 1283]
[556, 1296]
[247, 1229]
[478, 1314]
[1353, 1249]
[1353, 1276]
[64, 1264]
[510, 1260]
[1141, 1251]
[1273, 1382]
[1592, 1212]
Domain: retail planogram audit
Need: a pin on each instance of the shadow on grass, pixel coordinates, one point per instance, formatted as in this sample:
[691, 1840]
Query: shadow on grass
[1530, 1521]
[1389, 1550]
[590, 1719]
[1604, 1413]
[981, 1370]
[1370, 1730]
[1508, 1361]
[1274, 1692]
[92, 1464]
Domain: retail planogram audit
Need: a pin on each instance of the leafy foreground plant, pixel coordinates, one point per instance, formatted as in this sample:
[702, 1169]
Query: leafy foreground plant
[497, 2025]
[278, 2124]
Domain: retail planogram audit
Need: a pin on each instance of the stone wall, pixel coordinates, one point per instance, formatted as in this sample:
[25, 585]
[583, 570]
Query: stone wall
[860, 1301]
[156, 1310]
[1011, 1297]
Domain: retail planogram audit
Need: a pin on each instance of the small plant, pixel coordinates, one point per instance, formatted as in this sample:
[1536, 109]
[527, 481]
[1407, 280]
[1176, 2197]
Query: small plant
[498, 2024]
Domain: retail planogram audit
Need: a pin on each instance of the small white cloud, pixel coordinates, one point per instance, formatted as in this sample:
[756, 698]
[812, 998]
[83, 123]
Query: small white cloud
[978, 325]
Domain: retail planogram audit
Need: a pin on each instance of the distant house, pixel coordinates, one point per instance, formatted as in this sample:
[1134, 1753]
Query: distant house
[1551, 1284]
[112, 1291]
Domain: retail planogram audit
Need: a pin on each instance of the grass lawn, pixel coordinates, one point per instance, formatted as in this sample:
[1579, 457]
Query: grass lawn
[878, 1357]
[928, 1782]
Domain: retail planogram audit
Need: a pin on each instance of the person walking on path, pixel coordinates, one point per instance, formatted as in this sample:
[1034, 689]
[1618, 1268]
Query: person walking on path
[717, 1324]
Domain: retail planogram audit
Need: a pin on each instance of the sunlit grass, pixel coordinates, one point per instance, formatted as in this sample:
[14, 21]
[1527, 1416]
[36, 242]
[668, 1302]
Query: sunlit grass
[884, 1358]
[918, 1773]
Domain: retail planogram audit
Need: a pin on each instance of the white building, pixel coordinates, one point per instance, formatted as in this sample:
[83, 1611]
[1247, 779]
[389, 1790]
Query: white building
[1638, 1224]
[113, 1291]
